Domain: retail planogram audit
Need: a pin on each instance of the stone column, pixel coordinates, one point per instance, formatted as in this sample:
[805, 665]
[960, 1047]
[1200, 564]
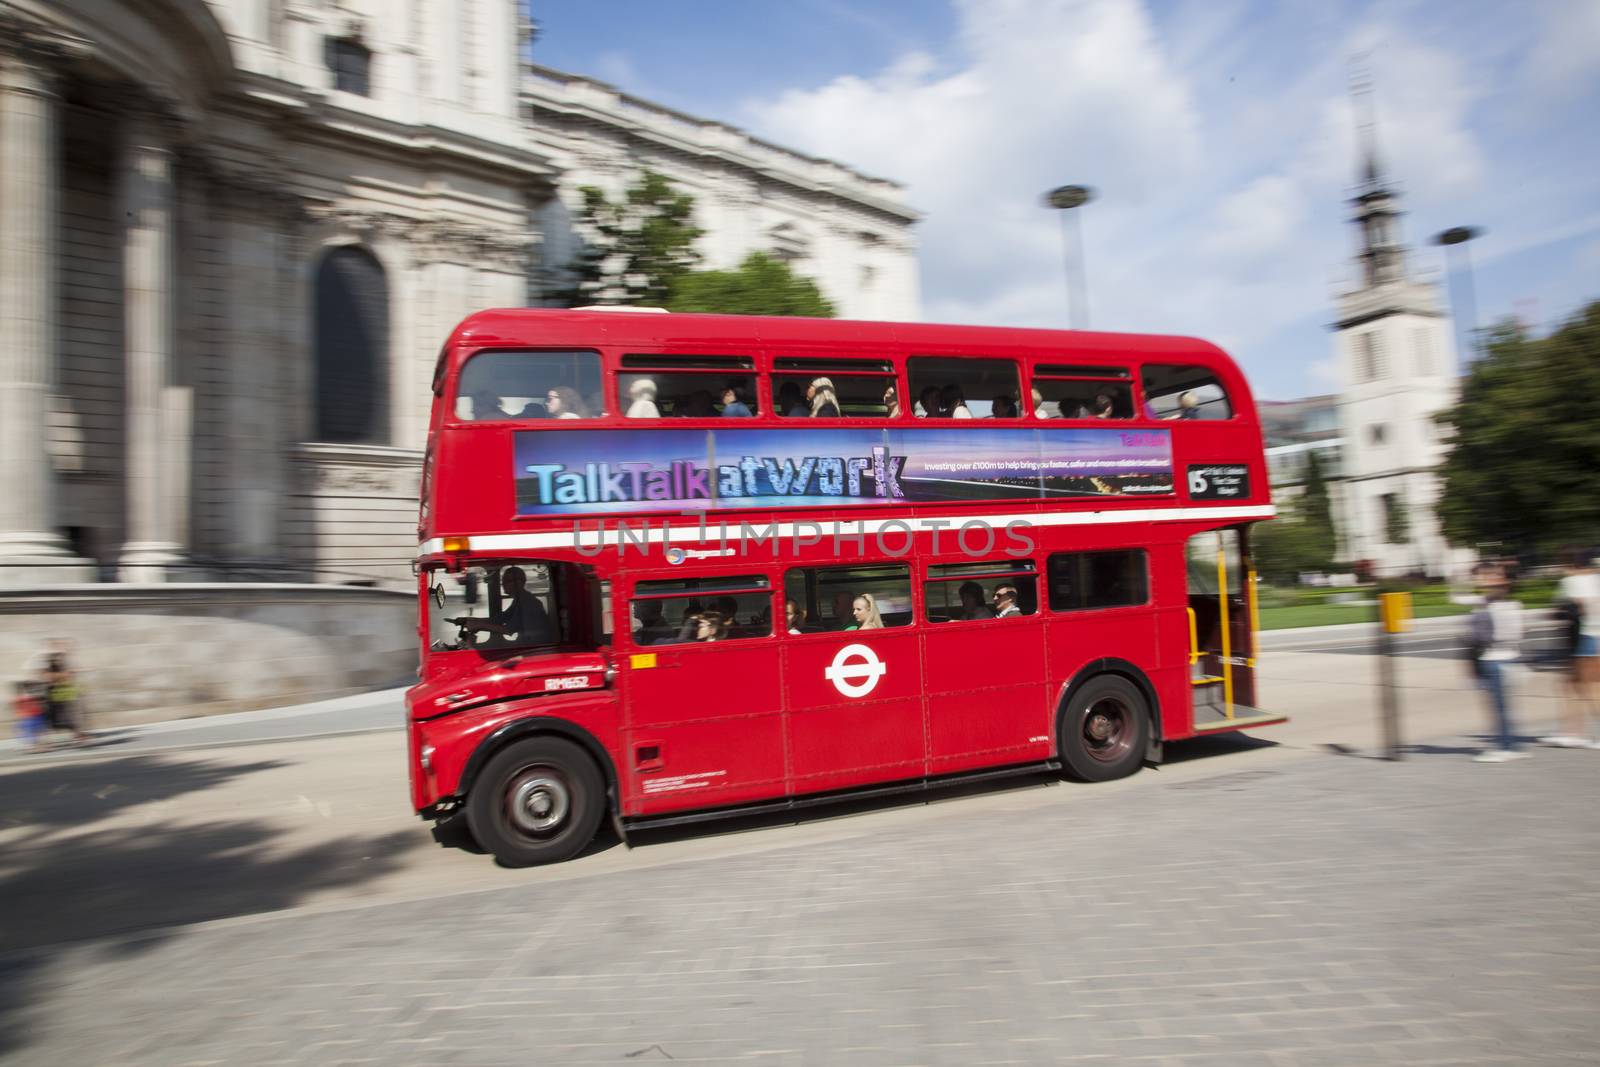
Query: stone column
[156, 429]
[31, 552]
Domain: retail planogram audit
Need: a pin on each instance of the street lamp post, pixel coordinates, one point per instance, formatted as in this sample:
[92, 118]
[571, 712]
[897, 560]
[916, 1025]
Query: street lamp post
[1457, 237]
[1064, 199]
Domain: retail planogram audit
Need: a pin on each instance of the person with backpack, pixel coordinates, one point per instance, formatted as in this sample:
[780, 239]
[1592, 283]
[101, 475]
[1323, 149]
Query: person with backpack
[1495, 629]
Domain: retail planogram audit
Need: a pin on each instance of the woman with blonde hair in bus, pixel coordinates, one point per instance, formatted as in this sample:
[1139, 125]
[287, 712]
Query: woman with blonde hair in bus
[865, 610]
[563, 402]
[824, 401]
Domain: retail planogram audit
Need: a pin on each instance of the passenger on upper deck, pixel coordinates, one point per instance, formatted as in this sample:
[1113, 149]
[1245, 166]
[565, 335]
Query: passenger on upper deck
[824, 401]
[563, 402]
[891, 402]
[932, 404]
[955, 404]
[733, 405]
[697, 405]
[1005, 601]
[1003, 407]
[642, 399]
[791, 402]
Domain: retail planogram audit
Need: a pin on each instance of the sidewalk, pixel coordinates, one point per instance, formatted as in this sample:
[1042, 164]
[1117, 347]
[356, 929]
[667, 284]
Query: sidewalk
[383, 709]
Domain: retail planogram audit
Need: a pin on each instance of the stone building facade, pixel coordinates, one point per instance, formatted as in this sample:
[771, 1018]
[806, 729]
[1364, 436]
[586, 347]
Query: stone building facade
[848, 232]
[233, 234]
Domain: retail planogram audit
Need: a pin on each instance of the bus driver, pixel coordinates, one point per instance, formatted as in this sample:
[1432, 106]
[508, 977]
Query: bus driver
[522, 619]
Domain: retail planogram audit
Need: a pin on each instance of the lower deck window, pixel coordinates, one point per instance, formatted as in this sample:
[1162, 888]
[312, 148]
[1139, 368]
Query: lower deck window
[683, 611]
[1082, 581]
[822, 599]
[967, 592]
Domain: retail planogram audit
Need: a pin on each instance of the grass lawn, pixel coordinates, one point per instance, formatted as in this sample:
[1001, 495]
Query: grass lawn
[1282, 609]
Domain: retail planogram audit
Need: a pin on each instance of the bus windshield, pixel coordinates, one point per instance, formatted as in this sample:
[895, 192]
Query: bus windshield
[511, 605]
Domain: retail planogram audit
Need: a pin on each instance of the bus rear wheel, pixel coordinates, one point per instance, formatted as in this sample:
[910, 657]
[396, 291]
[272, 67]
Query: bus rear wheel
[537, 801]
[1104, 730]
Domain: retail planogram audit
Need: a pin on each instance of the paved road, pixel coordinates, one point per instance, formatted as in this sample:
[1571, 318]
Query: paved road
[1321, 911]
[1252, 901]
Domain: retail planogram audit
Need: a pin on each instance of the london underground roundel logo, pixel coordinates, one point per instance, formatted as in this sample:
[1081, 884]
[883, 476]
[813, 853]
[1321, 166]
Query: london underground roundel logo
[855, 670]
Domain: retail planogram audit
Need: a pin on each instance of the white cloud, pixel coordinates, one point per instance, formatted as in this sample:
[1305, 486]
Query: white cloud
[1565, 58]
[1222, 143]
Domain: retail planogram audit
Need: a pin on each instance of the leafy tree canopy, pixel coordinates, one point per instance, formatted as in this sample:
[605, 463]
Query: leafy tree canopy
[635, 249]
[1522, 467]
[762, 285]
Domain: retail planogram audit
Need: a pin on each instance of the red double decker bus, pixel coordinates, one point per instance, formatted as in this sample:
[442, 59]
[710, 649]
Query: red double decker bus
[675, 567]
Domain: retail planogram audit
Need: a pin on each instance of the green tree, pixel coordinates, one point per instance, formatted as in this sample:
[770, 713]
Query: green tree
[1316, 511]
[1289, 545]
[635, 249]
[1396, 520]
[762, 285]
[1525, 434]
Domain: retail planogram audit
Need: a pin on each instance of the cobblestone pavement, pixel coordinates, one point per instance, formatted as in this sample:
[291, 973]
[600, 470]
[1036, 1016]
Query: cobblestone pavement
[1329, 910]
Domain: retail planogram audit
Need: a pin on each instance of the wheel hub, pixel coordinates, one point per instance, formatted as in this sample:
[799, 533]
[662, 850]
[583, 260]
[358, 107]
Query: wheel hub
[538, 802]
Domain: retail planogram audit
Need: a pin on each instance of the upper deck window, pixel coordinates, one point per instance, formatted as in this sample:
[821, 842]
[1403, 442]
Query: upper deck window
[1073, 391]
[1178, 392]
[687, 387]
[530, 385]
[834, 388]
[958, 388]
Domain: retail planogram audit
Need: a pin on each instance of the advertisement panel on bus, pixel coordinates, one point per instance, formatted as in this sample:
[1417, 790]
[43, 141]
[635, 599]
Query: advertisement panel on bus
[583, 472]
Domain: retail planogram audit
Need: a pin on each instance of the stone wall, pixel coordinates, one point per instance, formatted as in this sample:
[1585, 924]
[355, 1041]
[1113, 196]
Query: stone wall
[152, 652]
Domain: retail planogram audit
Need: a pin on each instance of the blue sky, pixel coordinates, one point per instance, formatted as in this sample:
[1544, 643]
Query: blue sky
[1218, 134]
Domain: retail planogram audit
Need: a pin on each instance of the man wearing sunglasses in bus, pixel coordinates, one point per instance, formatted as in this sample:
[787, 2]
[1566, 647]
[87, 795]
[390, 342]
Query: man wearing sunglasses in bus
[1005, 601]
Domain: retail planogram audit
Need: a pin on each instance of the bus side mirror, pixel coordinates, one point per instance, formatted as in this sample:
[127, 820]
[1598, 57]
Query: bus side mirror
[438, 595]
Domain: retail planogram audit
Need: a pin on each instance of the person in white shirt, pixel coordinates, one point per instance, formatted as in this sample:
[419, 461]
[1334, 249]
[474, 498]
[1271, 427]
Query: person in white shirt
[642, 399]
[1578, 599]
[1496, 641]
[1038, 406]
[955, 404]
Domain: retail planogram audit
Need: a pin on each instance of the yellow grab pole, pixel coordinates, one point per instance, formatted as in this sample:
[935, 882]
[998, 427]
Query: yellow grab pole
[1222, 612]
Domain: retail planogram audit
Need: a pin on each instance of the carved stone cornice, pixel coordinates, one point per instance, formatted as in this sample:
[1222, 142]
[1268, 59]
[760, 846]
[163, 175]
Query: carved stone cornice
[436, 240]
[31, 41]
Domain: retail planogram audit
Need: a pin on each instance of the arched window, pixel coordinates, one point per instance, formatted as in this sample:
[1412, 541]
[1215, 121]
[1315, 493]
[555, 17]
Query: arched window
[352, 349]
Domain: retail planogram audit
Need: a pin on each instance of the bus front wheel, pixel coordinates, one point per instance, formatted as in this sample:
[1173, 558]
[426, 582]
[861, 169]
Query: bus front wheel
[537, 801]
[1104, 729]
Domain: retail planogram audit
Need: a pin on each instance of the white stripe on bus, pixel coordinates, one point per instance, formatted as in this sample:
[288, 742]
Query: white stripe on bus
[589, 536]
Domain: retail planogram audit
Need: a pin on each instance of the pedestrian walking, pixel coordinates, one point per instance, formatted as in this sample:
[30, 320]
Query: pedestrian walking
[61, 692]
[1496, 643]
[1578, 610]
[28, 711]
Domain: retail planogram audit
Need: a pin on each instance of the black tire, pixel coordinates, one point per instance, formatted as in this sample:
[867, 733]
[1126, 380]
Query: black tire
[537, 801]
[1104, 730]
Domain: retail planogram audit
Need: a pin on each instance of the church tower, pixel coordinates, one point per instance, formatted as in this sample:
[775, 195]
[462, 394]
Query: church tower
[1397, 364]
